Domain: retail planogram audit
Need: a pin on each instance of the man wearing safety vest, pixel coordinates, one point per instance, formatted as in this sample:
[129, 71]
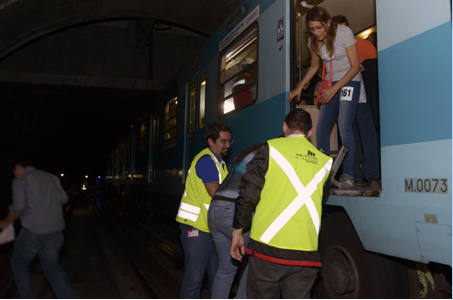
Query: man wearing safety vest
[286, 181]
[206, 173]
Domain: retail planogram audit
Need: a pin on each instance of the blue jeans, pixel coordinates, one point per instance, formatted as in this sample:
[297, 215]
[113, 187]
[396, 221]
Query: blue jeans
[346, 113]
[220, 219]
[47, 248]
[200, 256]
[370, 145]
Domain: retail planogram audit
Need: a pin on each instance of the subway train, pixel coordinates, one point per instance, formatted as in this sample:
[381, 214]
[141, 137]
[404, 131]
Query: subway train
[391, 243]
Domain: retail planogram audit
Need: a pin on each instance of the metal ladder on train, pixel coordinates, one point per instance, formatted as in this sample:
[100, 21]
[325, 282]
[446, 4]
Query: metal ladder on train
[338, 157]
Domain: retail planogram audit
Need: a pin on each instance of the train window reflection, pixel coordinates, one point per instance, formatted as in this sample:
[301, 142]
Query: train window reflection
[229, 106]
[238, 72]
[143, 138]
[155, 140]
[170, 119]
[170, 134]
[202, 100]
[192, 98]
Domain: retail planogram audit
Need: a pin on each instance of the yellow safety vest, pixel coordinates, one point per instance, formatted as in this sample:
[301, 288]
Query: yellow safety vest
[195, 201]
[288, 215]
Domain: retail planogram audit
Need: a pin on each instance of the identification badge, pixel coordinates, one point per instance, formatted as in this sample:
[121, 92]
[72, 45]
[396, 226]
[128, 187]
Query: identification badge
[193, 233]
[346, 93]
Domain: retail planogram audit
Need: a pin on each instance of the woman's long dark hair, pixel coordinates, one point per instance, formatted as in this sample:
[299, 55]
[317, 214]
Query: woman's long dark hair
[320, 14]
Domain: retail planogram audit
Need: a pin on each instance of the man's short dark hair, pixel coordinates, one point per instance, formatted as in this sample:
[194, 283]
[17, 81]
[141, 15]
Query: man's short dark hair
[21, 160]
[340, 19]
[299, 119]
[213, 132]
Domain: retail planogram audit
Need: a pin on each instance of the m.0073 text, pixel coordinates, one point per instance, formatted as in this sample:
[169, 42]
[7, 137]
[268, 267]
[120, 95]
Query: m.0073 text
[426, 185]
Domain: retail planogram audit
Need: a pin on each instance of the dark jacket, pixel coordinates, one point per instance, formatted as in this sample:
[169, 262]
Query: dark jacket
[371, 83]
[249, 196]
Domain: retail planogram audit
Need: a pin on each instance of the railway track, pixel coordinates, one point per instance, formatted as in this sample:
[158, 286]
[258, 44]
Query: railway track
[151, 253]
[135, 247]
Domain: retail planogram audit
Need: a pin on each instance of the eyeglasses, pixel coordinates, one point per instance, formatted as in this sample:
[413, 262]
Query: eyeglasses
[316, 28]
[227, 141]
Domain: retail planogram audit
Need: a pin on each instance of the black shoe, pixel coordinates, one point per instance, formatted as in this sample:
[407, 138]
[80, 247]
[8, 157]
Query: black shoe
[374, 183]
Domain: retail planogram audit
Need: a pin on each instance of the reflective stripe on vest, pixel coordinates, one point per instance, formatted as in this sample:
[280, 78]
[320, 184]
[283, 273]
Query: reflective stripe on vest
[186, 215]
[217, 166]
[188, 211]
[184, 207]
[303, 198]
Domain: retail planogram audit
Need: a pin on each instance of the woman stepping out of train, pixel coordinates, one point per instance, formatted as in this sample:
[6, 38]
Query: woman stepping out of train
[336, 46]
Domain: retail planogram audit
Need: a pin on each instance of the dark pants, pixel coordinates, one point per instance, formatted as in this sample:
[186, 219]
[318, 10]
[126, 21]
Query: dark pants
[266, 280]
[370, 144]
[200, 256]
[47, 247]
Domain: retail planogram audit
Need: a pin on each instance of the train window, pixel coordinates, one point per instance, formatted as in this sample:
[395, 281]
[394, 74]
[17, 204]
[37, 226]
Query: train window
[238, 72]
[155, 138]
[191, 117]
[125, 152]
[170, 119]
[131, 159]
[202, 100]
[150, 147]
[113, 166]
[143, 138]
[116, 164]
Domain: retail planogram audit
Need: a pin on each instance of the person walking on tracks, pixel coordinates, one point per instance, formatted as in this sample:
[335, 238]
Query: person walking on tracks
[286, 181]
[38, 200]
[206, 173]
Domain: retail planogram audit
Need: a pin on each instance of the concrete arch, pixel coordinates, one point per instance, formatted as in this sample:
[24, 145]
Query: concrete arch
[22, 21]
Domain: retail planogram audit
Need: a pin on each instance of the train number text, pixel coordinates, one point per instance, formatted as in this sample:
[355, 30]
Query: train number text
[426, 185]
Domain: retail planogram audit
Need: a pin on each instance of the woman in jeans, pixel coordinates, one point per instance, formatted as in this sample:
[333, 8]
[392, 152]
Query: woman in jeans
[220, 220]
[328, 41]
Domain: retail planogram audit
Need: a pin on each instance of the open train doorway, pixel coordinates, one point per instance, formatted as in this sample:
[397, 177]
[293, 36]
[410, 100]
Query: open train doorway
[361, 16]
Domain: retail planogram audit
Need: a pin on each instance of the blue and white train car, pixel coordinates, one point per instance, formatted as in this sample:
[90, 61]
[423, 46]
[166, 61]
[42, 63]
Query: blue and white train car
[387, 244]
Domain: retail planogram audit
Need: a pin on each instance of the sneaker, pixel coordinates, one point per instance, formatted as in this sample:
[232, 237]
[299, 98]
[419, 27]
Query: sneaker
[374, 183]
[346, 181]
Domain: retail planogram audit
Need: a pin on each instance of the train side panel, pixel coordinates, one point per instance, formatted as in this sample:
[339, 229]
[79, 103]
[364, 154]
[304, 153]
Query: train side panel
[409, 220]
[264, 119]
[254, 124]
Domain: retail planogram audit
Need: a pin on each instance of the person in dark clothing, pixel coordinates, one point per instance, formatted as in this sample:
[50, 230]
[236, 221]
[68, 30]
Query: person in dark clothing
[38, 200]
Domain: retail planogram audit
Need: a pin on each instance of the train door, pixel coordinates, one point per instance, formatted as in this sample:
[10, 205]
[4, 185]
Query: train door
[195, 120]
[129, 159]
[153, 140]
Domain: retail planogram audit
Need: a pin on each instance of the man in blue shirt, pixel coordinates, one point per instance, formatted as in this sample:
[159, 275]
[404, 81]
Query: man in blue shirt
[206, 173]
[38, 200]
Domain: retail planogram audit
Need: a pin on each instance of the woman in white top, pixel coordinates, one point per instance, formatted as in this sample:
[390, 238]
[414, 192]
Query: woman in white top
[337, 42]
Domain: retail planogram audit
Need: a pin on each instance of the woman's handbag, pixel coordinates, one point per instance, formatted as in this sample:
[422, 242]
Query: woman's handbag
[324, 84]
[7, 234]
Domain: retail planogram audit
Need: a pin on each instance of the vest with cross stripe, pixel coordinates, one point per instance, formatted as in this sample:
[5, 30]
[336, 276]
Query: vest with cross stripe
[289, 212]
